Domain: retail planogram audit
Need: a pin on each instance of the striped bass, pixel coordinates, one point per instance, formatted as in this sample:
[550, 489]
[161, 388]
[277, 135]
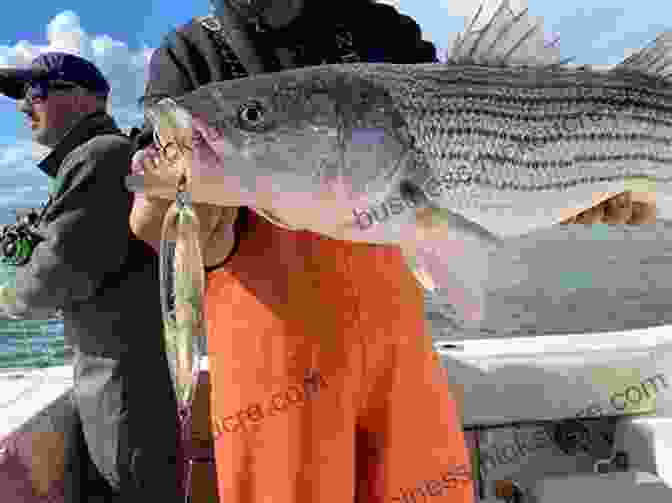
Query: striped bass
[444, 160]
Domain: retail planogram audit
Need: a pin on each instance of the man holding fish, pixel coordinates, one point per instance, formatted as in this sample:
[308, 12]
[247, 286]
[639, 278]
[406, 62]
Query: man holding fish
[288, 305]
[518, 141]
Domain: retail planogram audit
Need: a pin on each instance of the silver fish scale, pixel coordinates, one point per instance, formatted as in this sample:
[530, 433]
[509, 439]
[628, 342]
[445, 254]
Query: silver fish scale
[529, 129]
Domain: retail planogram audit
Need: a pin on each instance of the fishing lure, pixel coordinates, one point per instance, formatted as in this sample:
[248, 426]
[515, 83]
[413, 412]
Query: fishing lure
[182, 282]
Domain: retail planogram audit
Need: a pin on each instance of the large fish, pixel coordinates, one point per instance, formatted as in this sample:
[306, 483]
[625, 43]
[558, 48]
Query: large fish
[443, 160]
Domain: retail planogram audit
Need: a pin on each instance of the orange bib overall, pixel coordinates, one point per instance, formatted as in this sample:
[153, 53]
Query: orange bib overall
[325, 386]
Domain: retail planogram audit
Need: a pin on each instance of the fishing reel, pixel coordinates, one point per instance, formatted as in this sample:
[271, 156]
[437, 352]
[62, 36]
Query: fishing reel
[17, 241]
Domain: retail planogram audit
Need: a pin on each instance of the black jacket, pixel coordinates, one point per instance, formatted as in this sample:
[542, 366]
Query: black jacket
[90, 265]
[191, 57]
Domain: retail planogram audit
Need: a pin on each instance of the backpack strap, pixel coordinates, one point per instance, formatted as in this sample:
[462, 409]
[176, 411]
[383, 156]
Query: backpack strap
[234, 44]
[238, 51]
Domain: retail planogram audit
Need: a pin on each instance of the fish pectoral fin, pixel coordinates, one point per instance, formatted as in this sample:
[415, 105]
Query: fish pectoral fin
[457, 280]
[653, 60]
[506, 39]
[450, 258]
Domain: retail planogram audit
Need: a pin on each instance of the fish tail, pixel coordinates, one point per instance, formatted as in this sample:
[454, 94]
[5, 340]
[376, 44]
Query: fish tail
[450, 258]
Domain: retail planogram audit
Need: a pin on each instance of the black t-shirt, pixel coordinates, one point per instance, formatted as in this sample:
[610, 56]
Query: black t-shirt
[326, 32]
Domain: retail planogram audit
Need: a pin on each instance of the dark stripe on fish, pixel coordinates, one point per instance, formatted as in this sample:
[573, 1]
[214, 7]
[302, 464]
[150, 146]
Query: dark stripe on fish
[539, 116]
[542, 140]
[469, 159]
[618, 100]
[505, 185]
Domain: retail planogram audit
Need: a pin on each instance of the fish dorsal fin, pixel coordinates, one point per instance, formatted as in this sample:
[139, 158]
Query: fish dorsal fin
[510, 39]
[506, 39]
[654, 60]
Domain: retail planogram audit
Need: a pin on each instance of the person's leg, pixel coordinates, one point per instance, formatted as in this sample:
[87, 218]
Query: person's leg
[410, 438]
[150, 443]
[130, 424]
[75, 451]
[283, 411]
[83, 482]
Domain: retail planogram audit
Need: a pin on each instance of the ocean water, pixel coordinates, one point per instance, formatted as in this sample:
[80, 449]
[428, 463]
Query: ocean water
[574, 279]
[29, 343]
[32, 344]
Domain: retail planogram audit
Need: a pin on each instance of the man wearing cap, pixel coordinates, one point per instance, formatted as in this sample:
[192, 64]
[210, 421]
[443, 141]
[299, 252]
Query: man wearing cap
[88, 264]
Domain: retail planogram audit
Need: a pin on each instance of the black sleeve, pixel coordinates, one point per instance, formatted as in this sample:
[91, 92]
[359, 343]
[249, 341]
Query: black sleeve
[399, 34]
[186, 60]
[172, 69]
[422, 50]
[172, 72]
[85, 229]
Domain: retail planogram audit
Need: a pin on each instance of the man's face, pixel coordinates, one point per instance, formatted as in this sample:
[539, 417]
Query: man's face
[51, 110]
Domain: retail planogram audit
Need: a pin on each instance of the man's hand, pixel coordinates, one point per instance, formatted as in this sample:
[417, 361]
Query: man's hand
[7, 302]
[628, 208]
[153, 179]
[148, 212]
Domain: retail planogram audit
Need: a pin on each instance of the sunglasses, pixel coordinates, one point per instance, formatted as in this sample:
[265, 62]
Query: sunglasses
[39, 91]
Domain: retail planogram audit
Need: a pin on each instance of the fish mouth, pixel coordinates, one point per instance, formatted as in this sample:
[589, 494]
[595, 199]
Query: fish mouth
[174, 124]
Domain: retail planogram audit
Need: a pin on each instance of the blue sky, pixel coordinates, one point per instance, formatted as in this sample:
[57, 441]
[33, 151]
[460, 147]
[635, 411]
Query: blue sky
[118, 35]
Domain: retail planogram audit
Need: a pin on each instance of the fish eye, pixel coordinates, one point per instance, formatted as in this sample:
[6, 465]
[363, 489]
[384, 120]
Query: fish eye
[251, 115]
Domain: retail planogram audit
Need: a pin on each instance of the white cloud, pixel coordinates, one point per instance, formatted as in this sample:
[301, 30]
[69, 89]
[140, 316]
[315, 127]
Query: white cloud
[125, 69]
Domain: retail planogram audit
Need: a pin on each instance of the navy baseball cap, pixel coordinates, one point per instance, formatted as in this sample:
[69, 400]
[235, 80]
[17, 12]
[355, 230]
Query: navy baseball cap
[53, 66]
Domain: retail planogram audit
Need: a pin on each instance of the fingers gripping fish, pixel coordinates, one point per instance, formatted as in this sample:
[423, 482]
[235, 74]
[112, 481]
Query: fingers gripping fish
[444, 160]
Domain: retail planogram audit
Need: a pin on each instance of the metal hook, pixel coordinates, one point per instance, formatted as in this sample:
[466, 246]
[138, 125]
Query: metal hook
[183, 197]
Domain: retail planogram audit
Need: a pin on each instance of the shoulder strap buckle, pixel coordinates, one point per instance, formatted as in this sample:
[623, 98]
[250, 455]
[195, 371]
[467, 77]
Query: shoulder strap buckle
[210, 23]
